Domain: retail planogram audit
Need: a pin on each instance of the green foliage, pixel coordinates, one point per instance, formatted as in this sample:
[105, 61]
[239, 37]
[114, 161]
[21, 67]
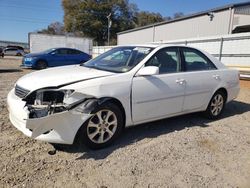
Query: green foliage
[178, 15]
[145, 18]
[55, 28]
[90, 17]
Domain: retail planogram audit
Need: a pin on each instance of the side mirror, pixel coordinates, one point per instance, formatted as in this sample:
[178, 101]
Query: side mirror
[148, 71]
[53, 53]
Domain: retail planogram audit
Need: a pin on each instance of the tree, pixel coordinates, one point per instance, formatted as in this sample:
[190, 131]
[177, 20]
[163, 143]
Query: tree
[90, 17]
[178, 14]
[55, 28]
[145, 18]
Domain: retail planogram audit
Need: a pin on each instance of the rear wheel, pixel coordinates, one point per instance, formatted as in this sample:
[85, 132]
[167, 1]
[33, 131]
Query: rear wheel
[103, 127]
[216, 105]
[41, 65]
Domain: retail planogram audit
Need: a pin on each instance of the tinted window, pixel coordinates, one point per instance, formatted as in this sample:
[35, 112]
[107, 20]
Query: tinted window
[10, 50]
[61, 52]
[196, 61]
[73, 52]
[166, 59]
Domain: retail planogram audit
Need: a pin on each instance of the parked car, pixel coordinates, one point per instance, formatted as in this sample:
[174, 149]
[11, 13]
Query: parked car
[125, 86]
[13, 51]
[1, 52]
[55, 57]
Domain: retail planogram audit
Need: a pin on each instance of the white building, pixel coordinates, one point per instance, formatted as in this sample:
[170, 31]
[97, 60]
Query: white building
[234, 18]
[40, 42]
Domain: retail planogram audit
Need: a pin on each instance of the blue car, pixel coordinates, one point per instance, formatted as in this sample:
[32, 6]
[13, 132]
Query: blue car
[54, 57]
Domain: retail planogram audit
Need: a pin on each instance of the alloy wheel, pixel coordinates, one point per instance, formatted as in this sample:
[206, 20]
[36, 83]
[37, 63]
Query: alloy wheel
[217, 104]
[102, 126]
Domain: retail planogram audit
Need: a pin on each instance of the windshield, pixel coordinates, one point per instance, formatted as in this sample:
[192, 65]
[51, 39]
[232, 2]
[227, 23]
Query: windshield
[120, 59]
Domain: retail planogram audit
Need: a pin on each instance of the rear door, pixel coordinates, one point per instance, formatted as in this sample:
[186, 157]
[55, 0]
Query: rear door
[10, 51]
[58, 57]
[74, 57]
[201, 78]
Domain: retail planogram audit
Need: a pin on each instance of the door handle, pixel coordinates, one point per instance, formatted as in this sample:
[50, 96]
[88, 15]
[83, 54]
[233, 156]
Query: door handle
[216, 77]
[180, 81]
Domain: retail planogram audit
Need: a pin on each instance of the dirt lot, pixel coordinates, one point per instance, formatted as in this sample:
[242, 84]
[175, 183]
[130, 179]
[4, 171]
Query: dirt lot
[187, 151]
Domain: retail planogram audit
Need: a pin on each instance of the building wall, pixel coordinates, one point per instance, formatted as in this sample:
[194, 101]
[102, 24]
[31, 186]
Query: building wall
[222, 23]
[136, 37]
[200, 26]
[41, 42]
[241, 19]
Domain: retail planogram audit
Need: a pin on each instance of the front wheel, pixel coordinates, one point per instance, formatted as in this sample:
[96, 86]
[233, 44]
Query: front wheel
[216, 105]
[103, 127]
[41, 65]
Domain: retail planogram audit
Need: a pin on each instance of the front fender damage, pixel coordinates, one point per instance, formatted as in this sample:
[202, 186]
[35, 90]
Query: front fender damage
[65, 123]
[50, 112]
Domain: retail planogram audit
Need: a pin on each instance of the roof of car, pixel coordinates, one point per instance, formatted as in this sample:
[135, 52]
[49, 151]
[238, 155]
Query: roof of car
[152, 45]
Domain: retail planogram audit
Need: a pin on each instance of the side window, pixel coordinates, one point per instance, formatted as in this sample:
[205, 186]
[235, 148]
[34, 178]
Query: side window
[73, 52]
[166, 59]
[60, 52]
[196, 61]
[77, 52]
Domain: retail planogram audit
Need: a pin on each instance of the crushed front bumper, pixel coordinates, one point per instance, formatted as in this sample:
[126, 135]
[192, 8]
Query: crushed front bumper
[55, 128]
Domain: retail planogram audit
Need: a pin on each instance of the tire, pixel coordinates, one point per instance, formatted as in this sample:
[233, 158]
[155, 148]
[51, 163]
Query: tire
[99, 132]
[216, 105]
[41, 65]
[18, 54]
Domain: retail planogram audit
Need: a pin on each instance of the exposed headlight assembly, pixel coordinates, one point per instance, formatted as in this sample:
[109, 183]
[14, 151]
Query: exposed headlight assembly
[50, 96]
[49, 101]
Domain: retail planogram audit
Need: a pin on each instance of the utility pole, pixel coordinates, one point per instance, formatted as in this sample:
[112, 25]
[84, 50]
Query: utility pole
[109, 26]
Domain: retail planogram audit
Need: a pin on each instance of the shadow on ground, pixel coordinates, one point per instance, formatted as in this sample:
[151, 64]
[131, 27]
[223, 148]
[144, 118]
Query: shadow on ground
[10, 70]
[155, 129]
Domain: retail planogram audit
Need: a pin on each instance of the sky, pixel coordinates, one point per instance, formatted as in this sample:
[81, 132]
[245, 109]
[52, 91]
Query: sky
[19, 17]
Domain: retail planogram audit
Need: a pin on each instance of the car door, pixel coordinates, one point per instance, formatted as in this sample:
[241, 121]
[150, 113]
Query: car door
[73, 57]
[58, 57]
[158, 96]
[10, 51]
[201, 79]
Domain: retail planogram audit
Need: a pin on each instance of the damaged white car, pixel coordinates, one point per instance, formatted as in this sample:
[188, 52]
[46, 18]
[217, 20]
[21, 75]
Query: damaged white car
[125, 86]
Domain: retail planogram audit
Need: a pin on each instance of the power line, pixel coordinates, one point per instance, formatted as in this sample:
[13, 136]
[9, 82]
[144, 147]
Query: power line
[25, 18]
[35, 8]
[17, 2]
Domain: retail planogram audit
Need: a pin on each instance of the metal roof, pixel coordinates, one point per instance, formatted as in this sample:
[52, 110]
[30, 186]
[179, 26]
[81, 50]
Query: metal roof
[188, 16]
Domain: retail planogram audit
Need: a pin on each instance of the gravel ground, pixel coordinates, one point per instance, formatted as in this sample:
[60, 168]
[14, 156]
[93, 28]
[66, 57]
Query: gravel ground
[185, 151]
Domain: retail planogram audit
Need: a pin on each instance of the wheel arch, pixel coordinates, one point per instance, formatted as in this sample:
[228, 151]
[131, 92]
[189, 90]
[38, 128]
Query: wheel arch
[116, 102]
[97, 102]
[40, 59]
[223, 90]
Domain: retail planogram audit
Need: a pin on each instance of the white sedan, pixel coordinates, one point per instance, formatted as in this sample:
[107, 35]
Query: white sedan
[125, 86]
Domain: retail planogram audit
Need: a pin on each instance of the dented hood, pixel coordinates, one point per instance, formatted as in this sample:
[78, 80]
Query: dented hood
[58, 76]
